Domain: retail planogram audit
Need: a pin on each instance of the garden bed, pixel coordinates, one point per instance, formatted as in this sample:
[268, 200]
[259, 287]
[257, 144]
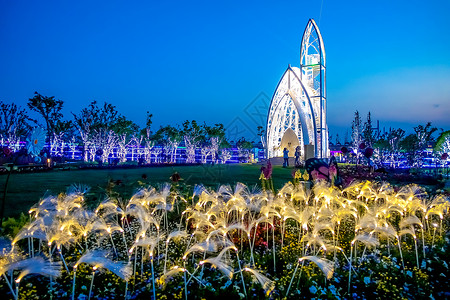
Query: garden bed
[368, 240]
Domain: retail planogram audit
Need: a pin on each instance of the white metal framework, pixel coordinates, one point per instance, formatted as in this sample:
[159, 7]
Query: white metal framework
[299, 103]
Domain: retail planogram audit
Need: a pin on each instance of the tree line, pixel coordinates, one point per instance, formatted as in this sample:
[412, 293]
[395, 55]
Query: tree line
[394, 144]
[100, 130]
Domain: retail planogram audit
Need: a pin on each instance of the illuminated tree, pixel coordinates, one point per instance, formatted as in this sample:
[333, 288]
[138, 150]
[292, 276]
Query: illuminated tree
[84, 122]
[122, 144]
[61, 135]
[394, 137]
[409, 145]
[261, 133]
[205, 151]
[243, 146]
[148, 141]
[101, 128]
[135, 145]
[170, 137]
[357, 134]
[192, 135]
[382, 148]
[105, 141]
[14, 124]
[214, 138]
[125, 132]
[225, 155]
[368, 133]
[424, 135]
[443, 143]
[414, 144]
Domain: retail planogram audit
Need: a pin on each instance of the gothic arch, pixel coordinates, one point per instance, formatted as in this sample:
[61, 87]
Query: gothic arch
[299, 101]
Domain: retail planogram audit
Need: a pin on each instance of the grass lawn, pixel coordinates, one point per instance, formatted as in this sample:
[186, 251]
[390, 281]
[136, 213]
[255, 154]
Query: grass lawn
[25, 189]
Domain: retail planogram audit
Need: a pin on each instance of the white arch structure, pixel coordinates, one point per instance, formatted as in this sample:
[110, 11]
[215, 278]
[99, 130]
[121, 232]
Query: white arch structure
[299, 101]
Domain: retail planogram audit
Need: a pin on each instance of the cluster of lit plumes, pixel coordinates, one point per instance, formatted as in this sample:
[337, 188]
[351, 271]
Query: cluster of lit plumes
[218, 229]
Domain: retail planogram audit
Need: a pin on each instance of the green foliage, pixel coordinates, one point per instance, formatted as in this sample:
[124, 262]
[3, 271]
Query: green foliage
[218, 131]
[443, 142]
[146, 131]
[394, 138]
[63, 129]
[163, 134]
[124, 126]
[225, 144]
[424, 135]
[409, 143]
[48, 108]
[106, 117]
[260, 131]
[382, 143]
[242, 143]
[192, 131]
[12, 226]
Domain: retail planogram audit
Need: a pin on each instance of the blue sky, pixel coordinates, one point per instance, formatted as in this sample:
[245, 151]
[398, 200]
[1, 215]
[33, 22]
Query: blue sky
[210, 60]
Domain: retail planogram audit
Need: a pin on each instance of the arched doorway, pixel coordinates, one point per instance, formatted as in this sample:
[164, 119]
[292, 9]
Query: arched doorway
[289, 141]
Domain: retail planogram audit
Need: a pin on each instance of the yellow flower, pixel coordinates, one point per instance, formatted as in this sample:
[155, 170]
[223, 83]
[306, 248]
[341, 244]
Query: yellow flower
[305, 176]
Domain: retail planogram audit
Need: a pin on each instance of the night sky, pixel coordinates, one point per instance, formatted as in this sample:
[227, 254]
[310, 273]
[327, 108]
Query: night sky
[220, 61]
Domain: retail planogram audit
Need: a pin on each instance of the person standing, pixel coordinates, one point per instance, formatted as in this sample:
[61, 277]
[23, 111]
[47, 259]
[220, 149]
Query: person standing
[286, 158]
[298, 153]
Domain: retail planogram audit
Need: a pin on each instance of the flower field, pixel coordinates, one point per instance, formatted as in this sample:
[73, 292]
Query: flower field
[368, 240]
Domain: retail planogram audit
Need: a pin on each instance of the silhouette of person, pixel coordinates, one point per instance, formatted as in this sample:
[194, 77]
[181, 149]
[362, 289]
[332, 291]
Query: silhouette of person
[298, 153]
[286, 158]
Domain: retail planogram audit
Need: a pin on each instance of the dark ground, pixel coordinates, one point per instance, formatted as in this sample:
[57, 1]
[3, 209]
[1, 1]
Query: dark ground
[26, 189]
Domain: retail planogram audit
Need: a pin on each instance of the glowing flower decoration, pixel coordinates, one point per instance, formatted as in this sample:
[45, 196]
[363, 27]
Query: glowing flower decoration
[297, 174]
[268, 170]
[305, 176]
[332, 171]
[261, 177]
[36, 141]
